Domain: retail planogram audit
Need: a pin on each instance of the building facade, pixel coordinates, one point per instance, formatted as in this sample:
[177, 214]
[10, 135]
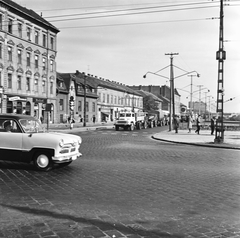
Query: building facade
[102, 101]
[27, 62]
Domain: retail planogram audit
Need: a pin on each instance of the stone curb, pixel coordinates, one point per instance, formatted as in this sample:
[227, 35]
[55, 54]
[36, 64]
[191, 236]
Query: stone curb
[222, 146]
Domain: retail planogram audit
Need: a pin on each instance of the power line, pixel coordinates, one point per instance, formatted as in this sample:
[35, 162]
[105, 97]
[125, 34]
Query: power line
[135, 13]
[136, 23]
[131, 9]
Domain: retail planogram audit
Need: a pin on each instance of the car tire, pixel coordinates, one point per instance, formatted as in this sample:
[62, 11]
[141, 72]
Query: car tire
[116, 128]
[42, 161]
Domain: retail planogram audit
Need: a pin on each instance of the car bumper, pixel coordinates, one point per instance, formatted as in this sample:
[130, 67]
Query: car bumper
[66, 158]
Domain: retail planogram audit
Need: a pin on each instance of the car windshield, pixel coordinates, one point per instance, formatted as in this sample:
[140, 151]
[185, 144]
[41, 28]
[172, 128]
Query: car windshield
[31, 126]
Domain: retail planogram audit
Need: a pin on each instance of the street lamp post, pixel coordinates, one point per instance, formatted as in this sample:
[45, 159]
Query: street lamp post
[84, 102]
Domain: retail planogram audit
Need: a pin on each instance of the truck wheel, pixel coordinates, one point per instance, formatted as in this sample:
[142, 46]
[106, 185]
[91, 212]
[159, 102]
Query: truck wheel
[116, 128]
[42, 161]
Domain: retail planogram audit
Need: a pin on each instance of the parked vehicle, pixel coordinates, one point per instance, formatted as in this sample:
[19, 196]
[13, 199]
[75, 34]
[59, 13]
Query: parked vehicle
[131, 121]
[23, 139]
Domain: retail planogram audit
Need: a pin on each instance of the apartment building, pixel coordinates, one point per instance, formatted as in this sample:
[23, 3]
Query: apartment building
[27, 62]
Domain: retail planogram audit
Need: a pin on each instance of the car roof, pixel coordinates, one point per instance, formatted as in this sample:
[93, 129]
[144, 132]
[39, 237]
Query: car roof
[15, 116]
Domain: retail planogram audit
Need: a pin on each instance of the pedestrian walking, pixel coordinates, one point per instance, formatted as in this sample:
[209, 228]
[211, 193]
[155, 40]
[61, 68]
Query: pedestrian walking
[176, 123]
[213, 122]
[71, 123]
[198, 123]
[190, 120]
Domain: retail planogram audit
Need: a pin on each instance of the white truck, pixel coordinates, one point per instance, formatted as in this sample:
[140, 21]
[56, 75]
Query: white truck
[131, 120]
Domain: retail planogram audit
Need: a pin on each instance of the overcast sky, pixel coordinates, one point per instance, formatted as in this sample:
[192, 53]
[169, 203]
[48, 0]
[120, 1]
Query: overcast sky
[123, 48]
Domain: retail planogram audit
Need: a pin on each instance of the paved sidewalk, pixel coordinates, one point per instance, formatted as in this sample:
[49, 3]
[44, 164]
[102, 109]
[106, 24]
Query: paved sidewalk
[231, 138]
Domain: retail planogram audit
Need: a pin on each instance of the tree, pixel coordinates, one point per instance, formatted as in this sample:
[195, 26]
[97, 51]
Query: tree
[150, 104]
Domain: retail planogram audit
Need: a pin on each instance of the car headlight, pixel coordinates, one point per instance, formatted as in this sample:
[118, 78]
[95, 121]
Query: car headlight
[61, 143]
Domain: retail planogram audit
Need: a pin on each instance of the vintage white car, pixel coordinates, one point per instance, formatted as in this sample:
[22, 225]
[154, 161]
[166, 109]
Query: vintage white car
[23, 139]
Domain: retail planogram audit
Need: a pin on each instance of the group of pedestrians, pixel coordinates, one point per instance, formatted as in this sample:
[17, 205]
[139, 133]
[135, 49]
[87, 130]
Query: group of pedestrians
[190, 121]
[199, 124]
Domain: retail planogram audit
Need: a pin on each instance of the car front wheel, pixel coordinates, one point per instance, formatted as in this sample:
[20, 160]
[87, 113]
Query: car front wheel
[43, 161]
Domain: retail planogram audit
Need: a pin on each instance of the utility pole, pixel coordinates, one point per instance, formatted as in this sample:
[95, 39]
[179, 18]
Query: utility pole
[191, 92]
[84, 102]
[199, 106]
[221, 56]
[172, 91]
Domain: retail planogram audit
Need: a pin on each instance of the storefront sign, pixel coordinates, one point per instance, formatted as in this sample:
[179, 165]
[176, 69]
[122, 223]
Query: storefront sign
[16, 99]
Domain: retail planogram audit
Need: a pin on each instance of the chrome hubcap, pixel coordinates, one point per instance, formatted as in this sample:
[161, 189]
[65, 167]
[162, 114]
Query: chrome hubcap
[42, 161]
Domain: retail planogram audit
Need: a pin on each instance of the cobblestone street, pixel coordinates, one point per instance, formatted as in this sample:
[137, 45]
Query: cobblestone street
[125, 185]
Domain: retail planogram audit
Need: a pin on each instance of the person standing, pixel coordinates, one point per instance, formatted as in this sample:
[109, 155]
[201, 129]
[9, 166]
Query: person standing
[190, 120]
[176, 123]
[212, 125]
[198, 124]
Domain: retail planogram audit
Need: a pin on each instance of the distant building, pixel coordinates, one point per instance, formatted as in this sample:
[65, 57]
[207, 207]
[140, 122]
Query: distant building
[163, 92]
[27, 62]
[105, 99]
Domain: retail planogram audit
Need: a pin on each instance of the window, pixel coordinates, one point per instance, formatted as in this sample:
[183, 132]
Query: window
[51, 87]
[1, 21]
[44, 40]
[36, 61]
[10, 24]
[9, 80]
[51, 65]
[111, 99]
[29, 33]
[36, 85]
[107, 98]
[19, 82]
[99, 97]
[36, 37]
[19, 56]
[87, 107]
[115, 100]
[20, 30]
[43, 86]
[93, 107]
[61, 105]
[9, 53]
[28, 59]
[103, 97]
[44, 63]
[79, 106]
[52, 43]
[27, 84]
[1, 48]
